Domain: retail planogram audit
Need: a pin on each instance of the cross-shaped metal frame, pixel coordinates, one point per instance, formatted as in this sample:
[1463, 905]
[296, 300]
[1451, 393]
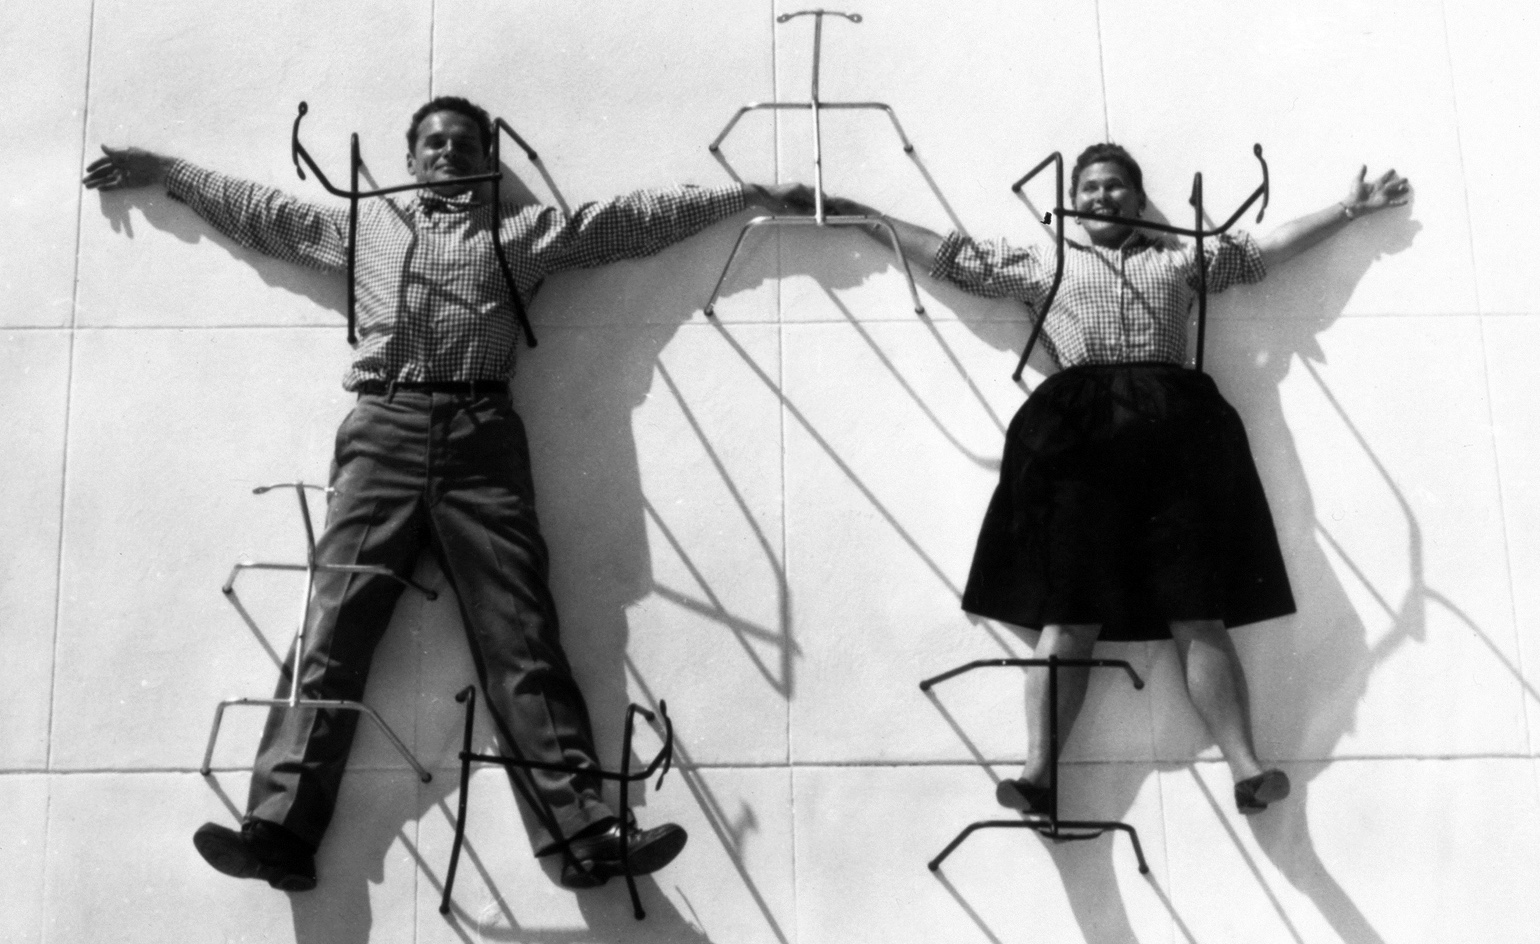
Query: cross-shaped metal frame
[1047, 825]
[819, 217]
[311, 567]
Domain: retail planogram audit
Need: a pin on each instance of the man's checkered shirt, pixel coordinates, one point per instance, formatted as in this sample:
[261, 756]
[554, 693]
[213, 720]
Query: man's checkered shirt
[432, 302]
[1115, 306]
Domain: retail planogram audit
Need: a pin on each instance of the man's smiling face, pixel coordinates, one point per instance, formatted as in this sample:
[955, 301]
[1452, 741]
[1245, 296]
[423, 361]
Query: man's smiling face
[448, 145]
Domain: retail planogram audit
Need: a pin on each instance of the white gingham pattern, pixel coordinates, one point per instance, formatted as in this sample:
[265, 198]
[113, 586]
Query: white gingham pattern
[432, 303]
[1115, 306]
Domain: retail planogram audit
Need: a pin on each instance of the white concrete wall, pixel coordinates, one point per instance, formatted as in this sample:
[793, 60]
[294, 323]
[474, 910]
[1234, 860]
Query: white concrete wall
[767, 521]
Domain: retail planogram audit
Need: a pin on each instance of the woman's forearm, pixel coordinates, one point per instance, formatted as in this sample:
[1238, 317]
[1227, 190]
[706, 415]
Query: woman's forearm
[1364, 197]
[918, 244]
[1297, 235]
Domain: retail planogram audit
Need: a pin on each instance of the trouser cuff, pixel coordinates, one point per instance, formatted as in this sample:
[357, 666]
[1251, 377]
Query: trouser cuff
[571, 822]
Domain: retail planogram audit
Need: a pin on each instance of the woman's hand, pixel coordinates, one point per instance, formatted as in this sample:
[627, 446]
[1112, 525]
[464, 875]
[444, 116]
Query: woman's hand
[1364, 196]
[124, 168]
[778, 198]
[1369, 196]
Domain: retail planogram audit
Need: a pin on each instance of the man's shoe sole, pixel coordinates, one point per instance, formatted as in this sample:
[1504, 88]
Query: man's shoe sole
[227, 852]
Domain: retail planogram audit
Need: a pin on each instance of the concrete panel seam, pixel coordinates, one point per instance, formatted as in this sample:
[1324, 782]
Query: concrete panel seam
[703, 766]
[69, 388]
[1459, 140]
[1101, 70]
[47, 835]
[1502, 515]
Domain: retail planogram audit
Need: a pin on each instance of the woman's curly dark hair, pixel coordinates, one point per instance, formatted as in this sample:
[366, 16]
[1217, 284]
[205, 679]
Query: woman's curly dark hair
[1112, 153]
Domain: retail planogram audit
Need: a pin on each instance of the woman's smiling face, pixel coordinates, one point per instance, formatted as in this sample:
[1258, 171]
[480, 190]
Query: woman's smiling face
[1105, 188]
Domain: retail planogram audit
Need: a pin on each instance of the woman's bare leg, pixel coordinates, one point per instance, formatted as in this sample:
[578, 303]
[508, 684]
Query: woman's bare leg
[1073, 641]
[1217, 686]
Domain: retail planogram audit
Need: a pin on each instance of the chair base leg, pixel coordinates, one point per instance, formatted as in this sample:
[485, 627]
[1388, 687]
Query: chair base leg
[1056, 830]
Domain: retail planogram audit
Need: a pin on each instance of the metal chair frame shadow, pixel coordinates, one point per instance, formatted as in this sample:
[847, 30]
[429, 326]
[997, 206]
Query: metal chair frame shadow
[297, 153]
[311, 567]
[664, 759]
[1049, 826]
[1198, 233]
[819, 217]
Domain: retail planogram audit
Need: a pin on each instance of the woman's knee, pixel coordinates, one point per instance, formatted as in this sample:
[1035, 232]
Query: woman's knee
[1210, 635]
[1070, 640]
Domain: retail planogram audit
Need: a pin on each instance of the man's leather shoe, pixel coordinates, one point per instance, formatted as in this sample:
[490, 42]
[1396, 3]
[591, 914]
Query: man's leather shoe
[594, 860]
[259, 850]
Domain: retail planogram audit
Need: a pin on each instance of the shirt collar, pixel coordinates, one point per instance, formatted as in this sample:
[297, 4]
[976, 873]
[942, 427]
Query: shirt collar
[1137, 240]
[432, 202]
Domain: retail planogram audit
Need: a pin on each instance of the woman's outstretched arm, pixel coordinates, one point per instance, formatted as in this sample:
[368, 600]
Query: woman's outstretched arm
[919, 244]
[1364, 197]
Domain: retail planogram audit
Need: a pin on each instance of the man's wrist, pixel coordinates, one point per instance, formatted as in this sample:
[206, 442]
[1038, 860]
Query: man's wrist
[160, 168]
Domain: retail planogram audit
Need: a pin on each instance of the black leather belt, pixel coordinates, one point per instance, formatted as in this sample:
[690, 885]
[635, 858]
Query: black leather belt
[464, 388]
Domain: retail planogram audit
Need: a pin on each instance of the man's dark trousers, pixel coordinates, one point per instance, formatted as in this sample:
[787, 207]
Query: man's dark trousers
[416, 469]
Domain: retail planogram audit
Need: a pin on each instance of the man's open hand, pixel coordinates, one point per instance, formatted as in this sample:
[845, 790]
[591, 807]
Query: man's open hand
[123, 168]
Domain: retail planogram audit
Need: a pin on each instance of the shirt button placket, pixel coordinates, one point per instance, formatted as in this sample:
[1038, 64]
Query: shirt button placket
[1123, 326]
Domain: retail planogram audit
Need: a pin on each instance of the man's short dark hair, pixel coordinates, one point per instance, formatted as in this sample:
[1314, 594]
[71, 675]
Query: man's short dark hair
[459, 106]
[1109, 153]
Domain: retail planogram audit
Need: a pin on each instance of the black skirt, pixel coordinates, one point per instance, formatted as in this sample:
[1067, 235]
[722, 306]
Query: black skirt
[1128, 497]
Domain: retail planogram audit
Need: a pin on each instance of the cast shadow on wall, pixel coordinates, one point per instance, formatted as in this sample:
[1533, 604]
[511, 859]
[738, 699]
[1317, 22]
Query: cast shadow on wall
[603, 336]
[161, 212]
[1326, 648]
[1329, 651]
[580, 393]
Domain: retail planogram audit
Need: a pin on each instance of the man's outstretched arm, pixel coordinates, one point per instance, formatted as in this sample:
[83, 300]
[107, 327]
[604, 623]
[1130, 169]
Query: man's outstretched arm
[637, 224]
[126, 168]
[261, 218]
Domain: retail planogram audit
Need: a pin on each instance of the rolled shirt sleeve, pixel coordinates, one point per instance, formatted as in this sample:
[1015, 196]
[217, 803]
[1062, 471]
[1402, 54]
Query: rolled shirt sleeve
[993, 269]
[1231, 259]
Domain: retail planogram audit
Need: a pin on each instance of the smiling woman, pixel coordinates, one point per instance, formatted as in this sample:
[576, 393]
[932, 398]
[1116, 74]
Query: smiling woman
[1129, 507]
[1107, 181]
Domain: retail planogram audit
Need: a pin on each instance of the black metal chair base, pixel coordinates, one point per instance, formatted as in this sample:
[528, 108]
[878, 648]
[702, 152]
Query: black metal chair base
[1048, 825]
[663, 760]
[1055, 831]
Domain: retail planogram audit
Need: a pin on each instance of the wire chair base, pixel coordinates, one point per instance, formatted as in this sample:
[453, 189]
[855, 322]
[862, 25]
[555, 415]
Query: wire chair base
[663, 761]
[1048, 825]
[310, 568]
[816, 106]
